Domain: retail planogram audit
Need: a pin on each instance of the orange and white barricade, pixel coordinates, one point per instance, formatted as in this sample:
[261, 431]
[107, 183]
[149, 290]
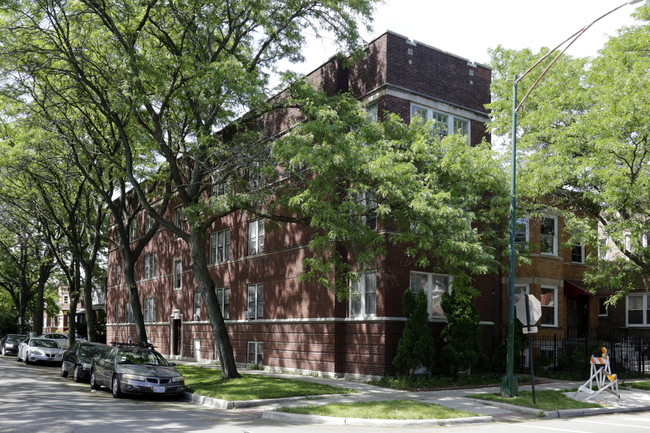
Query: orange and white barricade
[601, 376]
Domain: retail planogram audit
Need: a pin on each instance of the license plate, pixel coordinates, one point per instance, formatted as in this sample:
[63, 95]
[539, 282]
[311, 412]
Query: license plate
[158, 389]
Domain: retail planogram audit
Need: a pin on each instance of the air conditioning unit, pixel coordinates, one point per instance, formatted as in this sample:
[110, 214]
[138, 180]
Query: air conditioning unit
[196, 317]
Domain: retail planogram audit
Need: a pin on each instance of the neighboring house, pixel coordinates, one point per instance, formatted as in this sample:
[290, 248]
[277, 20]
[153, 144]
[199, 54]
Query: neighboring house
[61, 322]
[275, 319]
[554, 275]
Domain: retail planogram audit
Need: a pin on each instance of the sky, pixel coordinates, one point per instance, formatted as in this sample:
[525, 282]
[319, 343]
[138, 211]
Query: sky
[469, 28]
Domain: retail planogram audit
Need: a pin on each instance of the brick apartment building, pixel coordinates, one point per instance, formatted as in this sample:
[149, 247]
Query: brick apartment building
[283, 323]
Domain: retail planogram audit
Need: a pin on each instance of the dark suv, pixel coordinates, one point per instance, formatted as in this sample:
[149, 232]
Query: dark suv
[135, 369]
[10, 343]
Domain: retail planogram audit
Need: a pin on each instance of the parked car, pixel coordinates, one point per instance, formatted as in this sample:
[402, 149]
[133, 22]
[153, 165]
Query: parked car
[37, 349]
[78, 359]
[62, 339]
[10, 343]
[135, 369]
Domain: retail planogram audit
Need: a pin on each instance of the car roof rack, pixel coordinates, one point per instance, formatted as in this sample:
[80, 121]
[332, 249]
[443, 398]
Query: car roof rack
[138, 344]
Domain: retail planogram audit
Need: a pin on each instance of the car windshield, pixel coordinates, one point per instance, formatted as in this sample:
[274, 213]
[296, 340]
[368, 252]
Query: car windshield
[15, 338]
[140, 357]
[44, 343]
[89, 351]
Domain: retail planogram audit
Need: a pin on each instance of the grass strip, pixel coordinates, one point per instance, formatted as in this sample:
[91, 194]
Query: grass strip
[393, 409]
[546, 400]
[207, 381]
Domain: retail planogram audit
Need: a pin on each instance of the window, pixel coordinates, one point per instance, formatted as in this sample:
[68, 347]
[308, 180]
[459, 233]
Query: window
[255, 301]
[255, 353]
[150, 310]
[602, 249]
[220, 246]
[602, 306]
[638, 310]
[368, 201]
[549, 306]
[521, 290]
[256, 178]
[363, 295]
[578, 253]
[178, 220]
[178, 274]
[66, 299]
[443, 123]
[548, 239]
[133, 230]
[196, 315]
[256, 237]
[434, 285]
[128, 313]
[521, 232]
[118, 275]
[372, 111]
[117, 312]
[150, 266]
[219, 187]
[223, 296]
[148, 223]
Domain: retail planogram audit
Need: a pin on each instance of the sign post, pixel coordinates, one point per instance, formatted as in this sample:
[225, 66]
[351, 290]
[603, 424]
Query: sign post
[529, 311]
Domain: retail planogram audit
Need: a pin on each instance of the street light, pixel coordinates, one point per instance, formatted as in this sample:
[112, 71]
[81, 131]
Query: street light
[509, 381]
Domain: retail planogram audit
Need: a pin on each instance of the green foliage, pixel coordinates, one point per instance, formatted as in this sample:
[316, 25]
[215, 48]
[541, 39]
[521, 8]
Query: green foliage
[415, 349]
[462, 331]
[426, 190]
[584, 141]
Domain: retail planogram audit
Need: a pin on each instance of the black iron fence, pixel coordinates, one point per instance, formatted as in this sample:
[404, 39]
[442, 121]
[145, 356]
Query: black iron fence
[629, 352]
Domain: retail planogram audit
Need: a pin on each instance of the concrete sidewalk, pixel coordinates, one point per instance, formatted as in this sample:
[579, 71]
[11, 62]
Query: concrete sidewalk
[458, 399]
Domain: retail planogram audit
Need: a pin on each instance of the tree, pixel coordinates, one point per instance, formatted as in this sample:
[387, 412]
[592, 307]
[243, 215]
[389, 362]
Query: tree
[169, 75]
[585, 151]
[415, 348]
[463, 329]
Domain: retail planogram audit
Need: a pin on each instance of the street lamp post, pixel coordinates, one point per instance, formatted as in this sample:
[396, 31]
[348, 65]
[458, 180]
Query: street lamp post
[509, 381]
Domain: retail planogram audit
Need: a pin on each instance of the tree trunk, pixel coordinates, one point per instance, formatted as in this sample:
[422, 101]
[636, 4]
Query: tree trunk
[43, 276]
[205, 284]
[91, 317]
[134, 297]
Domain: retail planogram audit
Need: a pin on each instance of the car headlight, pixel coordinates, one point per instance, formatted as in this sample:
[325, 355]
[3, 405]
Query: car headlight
[134, 377]
[38, 352]
[178, 379]
[9, 345]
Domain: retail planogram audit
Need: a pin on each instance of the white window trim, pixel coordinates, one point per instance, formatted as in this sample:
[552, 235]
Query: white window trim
[582, 253]
[450, 118]
[645, 323]
[526, 222]
[555, 308]
[150, 266]
[196, 316]
[555, 251]
[224, 312]
[252, 315]
[149, 310]
[257, 351]
[215, 243]
[254, 234]
[178, 274]
[429, 291]
[362, 296]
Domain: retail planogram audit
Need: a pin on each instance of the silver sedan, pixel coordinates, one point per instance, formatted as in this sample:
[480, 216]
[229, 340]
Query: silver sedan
[40, 350]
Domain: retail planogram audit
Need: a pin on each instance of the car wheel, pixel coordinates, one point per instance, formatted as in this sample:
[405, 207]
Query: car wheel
[75, 374]
[64, 372]
[117, 392]
[93, 381]
[27, 361]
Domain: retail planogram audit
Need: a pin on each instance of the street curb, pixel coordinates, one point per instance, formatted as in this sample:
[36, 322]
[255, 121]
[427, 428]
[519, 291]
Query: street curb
[330, 420]
[243, 404]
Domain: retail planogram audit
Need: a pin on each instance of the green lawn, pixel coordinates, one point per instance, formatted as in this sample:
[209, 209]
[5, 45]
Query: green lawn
[546, 400]
[638, 385]
[207, 381]
[394, 409]
[409, 383]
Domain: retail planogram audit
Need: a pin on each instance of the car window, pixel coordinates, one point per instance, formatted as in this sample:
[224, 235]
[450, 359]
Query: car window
[90, 351]
[140, 357]
[45, 343]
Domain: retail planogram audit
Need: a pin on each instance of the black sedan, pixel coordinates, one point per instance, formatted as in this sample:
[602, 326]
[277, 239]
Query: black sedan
[135, 369]
[78, 359]
[10, 343]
